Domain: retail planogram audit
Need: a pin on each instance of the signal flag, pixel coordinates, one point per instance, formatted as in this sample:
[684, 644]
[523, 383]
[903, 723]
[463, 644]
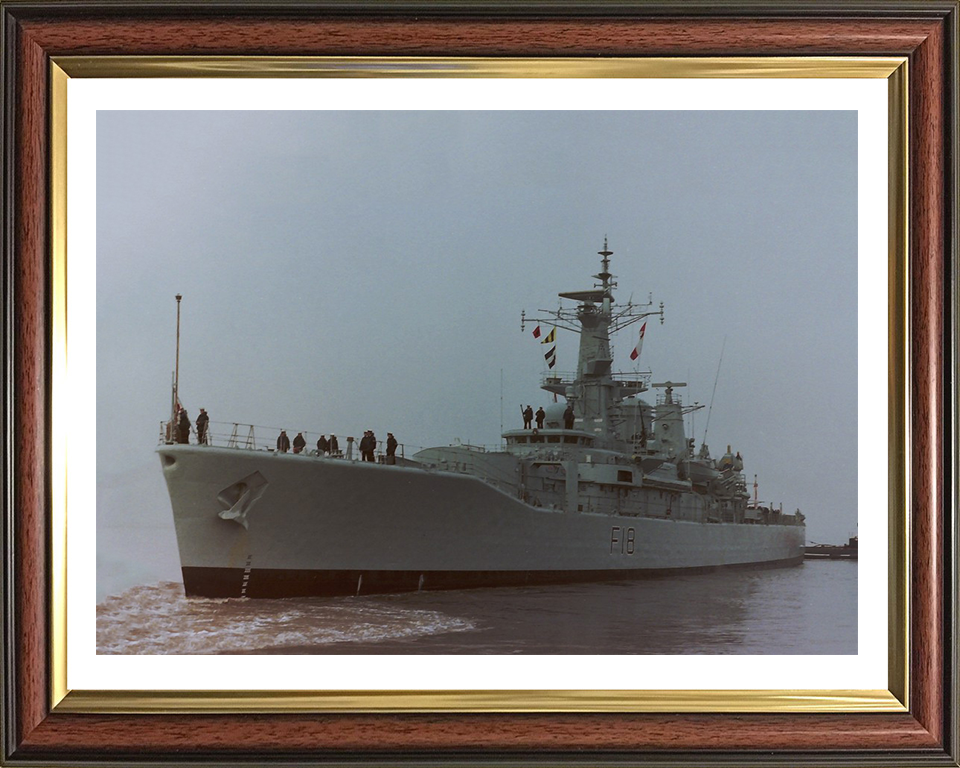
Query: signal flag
[636, 350]
[551, 356]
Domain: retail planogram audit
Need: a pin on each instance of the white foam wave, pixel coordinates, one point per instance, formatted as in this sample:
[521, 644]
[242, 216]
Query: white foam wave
[160, 619]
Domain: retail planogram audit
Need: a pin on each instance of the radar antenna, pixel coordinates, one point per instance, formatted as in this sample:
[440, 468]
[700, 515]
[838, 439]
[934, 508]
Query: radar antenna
[620, 315]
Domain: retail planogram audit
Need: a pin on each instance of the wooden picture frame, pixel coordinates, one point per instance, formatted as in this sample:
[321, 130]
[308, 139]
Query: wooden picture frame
[36, 731]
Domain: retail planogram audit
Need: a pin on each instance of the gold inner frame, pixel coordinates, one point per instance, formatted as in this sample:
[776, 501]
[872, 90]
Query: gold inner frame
[892, 69]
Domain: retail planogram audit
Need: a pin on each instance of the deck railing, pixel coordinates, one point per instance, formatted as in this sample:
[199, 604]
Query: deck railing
[253, 437]
[623, 378]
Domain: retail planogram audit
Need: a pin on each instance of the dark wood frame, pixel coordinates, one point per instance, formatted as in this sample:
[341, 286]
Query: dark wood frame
[925, 32]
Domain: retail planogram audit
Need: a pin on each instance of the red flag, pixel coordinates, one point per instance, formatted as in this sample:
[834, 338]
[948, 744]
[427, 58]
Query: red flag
[636, 350]
[536, 332]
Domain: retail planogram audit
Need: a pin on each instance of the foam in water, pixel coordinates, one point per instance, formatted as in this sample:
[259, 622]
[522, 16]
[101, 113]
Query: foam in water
[160, 619]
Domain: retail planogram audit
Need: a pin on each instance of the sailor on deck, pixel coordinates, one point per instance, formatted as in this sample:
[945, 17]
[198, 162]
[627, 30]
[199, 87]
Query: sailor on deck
[183, 427]
[528, 417]
[367, 444]
[202, 421]
[299, 443]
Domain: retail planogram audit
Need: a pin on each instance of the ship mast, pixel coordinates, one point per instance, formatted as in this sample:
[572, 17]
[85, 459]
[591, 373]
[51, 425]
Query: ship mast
[604, 274]
[176, 370]
[595, 390]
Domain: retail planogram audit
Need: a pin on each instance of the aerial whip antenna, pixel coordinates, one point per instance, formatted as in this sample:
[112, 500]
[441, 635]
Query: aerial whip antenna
[501, 406]
[710, 410]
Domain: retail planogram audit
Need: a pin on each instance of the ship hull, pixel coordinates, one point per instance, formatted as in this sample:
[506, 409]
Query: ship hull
[230, 582]
[261, 524]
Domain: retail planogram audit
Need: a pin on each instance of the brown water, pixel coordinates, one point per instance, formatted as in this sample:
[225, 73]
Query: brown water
[811, 609]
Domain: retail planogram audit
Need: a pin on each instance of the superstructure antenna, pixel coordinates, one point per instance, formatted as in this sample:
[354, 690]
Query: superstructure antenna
[710, 410]
[604, 275]
[501, 406]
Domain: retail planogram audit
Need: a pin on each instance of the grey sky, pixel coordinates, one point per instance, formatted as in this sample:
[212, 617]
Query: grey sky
[352, 270]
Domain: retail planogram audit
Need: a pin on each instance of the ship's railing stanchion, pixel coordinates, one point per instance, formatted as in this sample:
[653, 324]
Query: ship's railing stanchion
[232, 434]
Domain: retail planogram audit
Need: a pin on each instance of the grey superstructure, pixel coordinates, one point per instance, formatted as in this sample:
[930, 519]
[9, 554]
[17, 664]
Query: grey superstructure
[619, 493]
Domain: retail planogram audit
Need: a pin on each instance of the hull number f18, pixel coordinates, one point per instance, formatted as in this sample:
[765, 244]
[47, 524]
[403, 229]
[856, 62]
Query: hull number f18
[622, 540]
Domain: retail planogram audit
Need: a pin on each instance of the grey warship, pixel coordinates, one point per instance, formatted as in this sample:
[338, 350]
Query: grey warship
[617, 492]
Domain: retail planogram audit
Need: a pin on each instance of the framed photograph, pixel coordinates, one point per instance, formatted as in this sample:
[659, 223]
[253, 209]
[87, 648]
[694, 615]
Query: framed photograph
[308, 221]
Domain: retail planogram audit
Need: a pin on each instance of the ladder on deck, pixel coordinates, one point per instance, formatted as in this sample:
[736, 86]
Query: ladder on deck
[249, 441]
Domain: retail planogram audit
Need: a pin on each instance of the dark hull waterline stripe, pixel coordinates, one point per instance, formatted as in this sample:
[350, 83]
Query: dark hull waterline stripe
[230, 582]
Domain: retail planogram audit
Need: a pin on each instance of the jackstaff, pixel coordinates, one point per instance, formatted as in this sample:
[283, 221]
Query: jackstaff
[176, 370]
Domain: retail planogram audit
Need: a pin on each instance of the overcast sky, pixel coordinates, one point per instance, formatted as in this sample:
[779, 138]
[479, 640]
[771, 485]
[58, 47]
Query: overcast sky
[344, 271]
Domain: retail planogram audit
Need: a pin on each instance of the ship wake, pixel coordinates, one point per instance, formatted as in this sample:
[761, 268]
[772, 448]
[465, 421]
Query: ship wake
[159, 619]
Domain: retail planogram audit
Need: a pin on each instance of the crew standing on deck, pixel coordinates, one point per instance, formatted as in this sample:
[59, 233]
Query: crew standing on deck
[202, 421]
[299, 443]
[322, 446]
[528, 417]
[391, 448]
[283, 442]
[541, 415]
[183, 427]
[367, 444]
[334, 445]
[568, 417]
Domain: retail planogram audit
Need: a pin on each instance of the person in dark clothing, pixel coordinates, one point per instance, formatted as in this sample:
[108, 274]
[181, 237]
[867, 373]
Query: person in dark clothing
[541, 415]
[283, 442]
[367, 444]
[528, 417]
[322, 446]
[568, 417]
[299, 443]
[183, 427]
[391, 448]
[362, 445]
[334, 445]
[202, 421]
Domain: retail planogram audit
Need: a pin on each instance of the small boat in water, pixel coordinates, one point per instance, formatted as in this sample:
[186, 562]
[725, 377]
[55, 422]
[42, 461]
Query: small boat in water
[846, 551]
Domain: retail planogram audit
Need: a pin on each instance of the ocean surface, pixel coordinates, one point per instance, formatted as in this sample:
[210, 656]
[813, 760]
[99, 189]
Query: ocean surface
[810, 609]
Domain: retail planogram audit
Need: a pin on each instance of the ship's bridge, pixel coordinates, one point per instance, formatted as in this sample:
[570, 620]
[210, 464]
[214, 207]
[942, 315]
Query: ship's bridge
[632, 383]
[538, 437]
